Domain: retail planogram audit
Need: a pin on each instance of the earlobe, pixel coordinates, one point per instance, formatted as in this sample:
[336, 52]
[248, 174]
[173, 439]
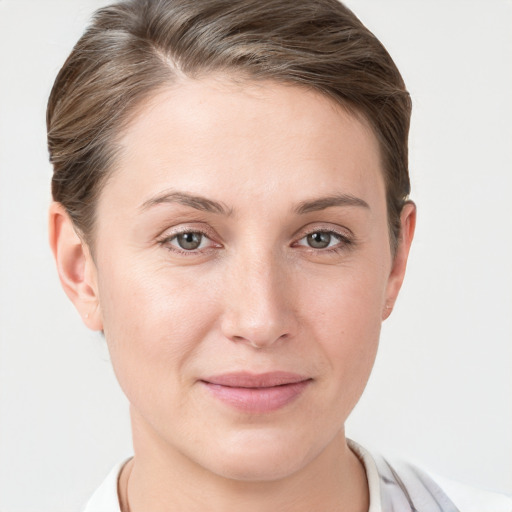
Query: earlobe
[76, 269]
[396, 276]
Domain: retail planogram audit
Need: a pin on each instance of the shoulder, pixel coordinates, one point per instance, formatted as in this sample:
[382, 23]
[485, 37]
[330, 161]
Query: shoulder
[106, 499]
[472, 499]
[405, 487]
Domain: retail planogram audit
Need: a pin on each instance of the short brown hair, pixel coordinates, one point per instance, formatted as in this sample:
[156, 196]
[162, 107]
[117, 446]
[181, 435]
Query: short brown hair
[134, 47]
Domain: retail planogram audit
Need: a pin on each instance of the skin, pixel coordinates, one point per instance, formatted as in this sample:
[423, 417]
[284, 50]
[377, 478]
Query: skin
[254, 296]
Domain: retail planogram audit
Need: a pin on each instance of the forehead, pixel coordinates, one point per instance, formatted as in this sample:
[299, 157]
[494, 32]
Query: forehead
[249, 136]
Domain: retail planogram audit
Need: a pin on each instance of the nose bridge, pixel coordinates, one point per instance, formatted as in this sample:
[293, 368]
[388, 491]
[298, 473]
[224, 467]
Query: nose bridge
[258, 306]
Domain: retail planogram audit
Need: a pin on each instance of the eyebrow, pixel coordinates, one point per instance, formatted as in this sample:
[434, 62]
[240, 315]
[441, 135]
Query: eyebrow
[193, 201]
[208, 205]
[327, 202]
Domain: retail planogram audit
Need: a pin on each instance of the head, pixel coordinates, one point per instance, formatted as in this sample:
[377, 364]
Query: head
[134, 48]
[230, 186]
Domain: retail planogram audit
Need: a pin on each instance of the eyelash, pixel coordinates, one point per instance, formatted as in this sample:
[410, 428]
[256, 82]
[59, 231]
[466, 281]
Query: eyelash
[166, 242]
[344, 242]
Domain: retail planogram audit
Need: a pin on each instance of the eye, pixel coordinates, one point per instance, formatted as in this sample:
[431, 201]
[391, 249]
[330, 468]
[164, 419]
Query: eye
[319, 240]
[323, 240]
[188, 241]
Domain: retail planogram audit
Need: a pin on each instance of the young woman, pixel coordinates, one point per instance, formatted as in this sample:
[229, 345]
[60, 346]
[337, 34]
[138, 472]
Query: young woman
[231, 210]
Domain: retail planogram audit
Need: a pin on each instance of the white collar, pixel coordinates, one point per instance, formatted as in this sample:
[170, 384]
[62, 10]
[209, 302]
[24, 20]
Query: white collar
[399, 487]
[106, 499]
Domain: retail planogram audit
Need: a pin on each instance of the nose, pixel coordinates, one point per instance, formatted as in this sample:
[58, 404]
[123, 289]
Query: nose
[258, 300]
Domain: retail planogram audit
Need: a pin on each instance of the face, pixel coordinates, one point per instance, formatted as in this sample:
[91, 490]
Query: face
[242, 269]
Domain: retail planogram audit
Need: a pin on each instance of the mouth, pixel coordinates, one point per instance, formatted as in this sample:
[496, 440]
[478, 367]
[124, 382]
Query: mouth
[257, 393]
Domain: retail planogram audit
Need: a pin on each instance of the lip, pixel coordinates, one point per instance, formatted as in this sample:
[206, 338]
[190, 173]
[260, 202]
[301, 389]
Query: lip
[257, 393]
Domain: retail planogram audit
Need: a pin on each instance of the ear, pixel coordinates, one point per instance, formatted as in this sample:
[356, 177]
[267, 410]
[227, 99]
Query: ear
[396, 276]
[75, 266]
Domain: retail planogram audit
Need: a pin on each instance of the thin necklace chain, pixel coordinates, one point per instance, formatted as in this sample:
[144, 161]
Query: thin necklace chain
[126, 507]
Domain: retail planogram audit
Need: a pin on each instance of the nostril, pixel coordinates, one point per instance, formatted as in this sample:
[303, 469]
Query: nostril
[260, 341]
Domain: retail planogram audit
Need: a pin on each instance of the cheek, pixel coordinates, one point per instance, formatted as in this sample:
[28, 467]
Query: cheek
[346, 317]
[348, 299]
[153, 323]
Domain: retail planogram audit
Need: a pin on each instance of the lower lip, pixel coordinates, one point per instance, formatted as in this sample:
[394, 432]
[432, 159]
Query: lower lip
[258, 400]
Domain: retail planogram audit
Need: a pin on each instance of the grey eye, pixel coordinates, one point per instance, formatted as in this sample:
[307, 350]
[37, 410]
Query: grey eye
[319, 239]
[189, 241]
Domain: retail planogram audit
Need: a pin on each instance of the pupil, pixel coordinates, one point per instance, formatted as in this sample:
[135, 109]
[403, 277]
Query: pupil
[189, 241]
[319, 240]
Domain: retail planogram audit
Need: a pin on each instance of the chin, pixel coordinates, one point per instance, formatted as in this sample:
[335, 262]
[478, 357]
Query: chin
[247, 469]
[258, 458]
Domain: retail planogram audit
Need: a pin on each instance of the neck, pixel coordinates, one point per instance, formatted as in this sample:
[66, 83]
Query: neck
[161, 479]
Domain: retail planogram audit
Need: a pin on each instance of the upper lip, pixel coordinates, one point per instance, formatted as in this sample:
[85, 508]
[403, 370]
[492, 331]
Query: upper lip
[255, 380]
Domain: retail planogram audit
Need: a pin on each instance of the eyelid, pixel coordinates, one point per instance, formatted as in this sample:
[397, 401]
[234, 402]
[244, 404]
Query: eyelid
[340, 231]
[345, 236]
[171, 234]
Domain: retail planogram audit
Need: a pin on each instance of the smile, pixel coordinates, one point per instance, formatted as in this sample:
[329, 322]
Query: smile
[257, 393]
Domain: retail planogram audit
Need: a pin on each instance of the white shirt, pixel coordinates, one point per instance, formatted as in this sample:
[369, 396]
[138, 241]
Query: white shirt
[397, 488]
